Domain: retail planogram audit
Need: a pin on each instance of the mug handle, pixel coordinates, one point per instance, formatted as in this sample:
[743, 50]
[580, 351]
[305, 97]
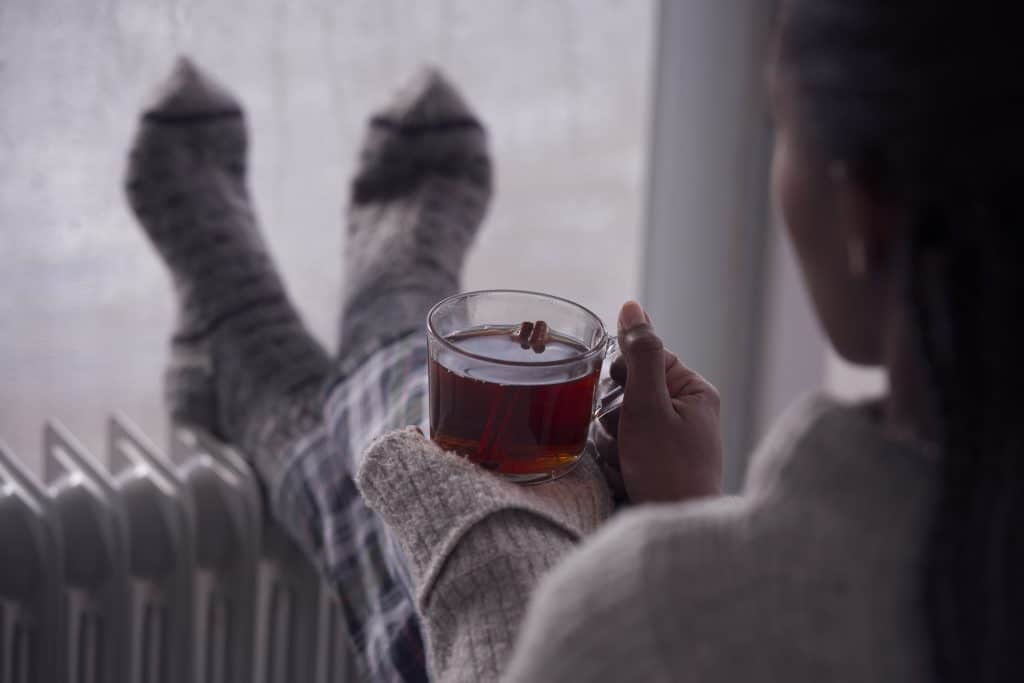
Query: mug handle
[615, 398]
[611, 401]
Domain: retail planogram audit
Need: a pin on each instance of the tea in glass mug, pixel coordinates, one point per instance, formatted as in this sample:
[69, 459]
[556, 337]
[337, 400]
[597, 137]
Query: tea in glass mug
[513, 380]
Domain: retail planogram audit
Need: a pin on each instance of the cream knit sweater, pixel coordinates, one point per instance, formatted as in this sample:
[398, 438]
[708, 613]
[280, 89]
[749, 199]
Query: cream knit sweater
[810, 575]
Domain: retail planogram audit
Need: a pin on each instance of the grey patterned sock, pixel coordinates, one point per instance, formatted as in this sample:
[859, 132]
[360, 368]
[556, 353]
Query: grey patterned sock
[242, 365]
[421, 191]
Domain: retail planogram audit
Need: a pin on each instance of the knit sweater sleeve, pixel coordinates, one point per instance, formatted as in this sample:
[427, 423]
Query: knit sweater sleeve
[477, 545]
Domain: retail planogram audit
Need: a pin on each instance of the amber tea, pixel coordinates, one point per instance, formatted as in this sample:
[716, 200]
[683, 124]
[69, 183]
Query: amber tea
[486, 412]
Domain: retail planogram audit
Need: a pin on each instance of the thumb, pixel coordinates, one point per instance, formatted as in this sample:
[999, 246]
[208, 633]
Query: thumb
[645, 359]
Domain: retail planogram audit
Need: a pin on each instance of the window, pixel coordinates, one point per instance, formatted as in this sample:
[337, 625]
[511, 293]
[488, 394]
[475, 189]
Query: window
[87, 308]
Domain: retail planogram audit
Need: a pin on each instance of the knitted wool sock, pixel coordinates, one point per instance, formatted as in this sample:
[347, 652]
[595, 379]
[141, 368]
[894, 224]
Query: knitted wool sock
[242, 365]
[419, 195]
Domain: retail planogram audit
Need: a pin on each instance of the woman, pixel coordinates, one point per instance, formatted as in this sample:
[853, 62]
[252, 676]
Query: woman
[871, 542]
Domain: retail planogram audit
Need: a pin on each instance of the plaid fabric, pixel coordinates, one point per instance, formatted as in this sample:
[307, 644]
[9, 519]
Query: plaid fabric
[317, 501]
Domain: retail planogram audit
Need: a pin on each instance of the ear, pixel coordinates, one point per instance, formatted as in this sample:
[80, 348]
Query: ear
[866, 224]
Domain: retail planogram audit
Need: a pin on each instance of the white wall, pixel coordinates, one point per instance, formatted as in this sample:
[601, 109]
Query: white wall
[84, 306]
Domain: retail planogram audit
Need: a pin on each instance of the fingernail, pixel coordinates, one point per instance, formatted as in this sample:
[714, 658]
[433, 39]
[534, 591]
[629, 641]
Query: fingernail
[631, 315]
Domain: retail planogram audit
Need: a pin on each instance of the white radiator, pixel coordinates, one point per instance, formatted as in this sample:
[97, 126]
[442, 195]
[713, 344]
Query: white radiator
[147, 569]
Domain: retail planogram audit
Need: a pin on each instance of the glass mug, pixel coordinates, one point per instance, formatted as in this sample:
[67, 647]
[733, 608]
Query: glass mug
[519, 409]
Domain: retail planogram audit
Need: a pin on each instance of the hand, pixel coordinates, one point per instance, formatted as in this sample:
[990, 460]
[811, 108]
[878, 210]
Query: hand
[669, 443]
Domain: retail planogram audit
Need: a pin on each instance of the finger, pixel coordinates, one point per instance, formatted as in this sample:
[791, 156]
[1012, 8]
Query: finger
[608, 459]
[618, 370]
[684, 382]
[607, 446]
[645, 359]
[609, 421]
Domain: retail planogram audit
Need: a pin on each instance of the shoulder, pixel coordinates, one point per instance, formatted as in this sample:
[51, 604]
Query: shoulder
[631, 548]
[758, 587]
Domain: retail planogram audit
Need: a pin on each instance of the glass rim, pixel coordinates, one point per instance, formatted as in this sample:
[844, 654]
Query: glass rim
[598, 347]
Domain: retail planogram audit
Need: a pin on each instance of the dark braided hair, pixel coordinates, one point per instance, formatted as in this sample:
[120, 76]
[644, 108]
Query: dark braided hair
[923, 100]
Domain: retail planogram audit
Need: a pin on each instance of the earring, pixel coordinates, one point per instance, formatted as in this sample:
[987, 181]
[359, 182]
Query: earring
[856, 257]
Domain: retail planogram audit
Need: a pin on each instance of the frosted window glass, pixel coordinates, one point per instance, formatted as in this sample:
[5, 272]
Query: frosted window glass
[85, 309]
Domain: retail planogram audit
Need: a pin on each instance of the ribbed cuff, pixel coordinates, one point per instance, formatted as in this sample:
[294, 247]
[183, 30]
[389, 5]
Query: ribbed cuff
[431, 499]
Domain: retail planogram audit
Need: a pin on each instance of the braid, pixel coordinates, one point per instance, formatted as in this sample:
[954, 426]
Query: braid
[972, 599]
[926, 97]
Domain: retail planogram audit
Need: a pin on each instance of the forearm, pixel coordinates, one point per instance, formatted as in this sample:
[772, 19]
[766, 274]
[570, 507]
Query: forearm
[476, 544]
[478, 603]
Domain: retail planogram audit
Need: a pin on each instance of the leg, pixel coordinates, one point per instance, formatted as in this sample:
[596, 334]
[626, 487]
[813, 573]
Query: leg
[354, 549]
[243, 366]
[418, 198]
[417, 201]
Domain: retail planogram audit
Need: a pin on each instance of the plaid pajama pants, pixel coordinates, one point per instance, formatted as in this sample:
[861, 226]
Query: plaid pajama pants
[317, 501]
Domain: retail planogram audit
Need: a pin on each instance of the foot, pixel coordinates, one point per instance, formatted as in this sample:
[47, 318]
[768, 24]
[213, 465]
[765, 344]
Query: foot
[242, 364]
[419, 196]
